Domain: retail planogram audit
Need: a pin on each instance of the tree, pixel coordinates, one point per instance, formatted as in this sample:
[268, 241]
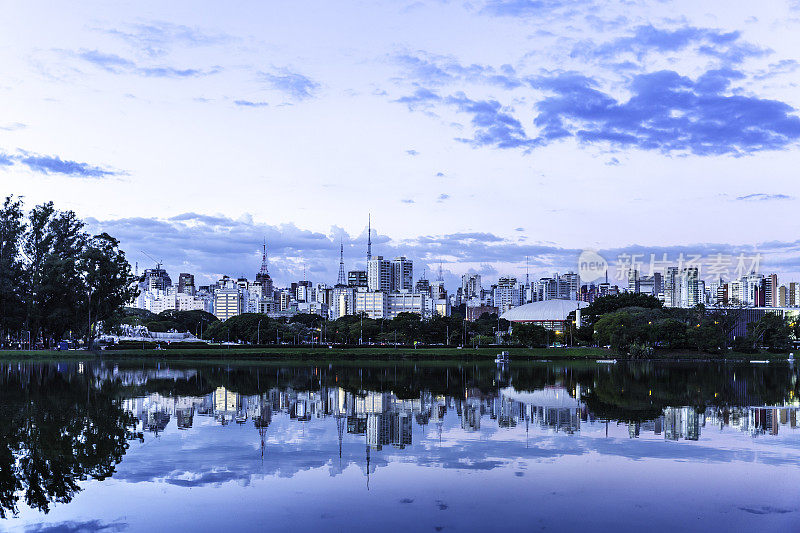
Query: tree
[62, 291]
[108, 279]
[609, 304]
[12, 231]
[530, 335]
[771, 331]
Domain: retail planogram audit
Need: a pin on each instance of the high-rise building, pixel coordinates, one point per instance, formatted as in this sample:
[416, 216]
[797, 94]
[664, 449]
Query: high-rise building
[186, 283]
[471, 286]
[672, 287]
[423, 286]
[568, 286]
[689, 287]
[633, 281]
[156, 279]
[357, 278]
[379, 274]
[402, 275]
[507, 294]
[771, 290]
[227, 303]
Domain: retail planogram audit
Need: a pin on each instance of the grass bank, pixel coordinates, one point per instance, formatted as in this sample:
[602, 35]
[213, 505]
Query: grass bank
[368, 353]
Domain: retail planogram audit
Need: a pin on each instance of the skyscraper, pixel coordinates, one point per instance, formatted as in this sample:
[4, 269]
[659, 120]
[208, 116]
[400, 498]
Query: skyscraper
[379, 274]
[186, 283]
[402, 275]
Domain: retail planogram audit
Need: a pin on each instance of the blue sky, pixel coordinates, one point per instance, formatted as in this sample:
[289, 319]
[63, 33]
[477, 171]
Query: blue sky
[476, 133]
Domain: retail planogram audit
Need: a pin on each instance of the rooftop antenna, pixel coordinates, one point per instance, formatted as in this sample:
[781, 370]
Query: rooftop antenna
[342, 279]
[527, 276]
[369, 236]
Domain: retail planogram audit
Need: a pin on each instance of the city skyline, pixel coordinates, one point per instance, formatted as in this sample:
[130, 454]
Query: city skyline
[193, 132]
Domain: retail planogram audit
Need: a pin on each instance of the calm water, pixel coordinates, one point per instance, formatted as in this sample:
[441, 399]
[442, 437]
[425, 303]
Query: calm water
[132, 446]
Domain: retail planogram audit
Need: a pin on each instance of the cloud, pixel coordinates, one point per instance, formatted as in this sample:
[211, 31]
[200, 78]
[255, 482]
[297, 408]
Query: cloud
[442, 197]
[613, 162]
[784, 66]
[525, 8]
[294, 84]
[119, 65]
[46, 164]
[407, 201]
[763, 197]
[210, 246]
[431, 69]
[248, 103]
[109, 62]
[56, 165]
[440, 174]
[14, 126]
[412, 152]
[494, 125]
[158, 37]
[666, 112]
[646, 39]
[71, 526]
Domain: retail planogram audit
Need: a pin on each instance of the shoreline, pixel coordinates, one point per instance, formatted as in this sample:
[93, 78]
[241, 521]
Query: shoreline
[379, 354]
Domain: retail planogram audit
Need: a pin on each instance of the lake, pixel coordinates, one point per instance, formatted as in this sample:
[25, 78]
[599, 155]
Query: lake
[134, 445]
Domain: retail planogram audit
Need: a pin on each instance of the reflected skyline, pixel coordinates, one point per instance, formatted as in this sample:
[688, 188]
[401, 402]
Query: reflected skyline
[224, 429]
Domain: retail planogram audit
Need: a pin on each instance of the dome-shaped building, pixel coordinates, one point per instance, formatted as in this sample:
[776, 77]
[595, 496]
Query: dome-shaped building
[552, 314]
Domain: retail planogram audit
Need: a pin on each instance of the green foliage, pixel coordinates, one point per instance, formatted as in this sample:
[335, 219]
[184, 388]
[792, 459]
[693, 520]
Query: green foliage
[56, 432]
[12, 271]
[109, 280]
[185, 321]
[609, 304]
[771, 331]
[48, 268]
[531, 335]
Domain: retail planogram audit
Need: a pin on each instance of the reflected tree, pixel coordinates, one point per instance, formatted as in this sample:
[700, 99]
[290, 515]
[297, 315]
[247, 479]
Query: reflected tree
[58, 431]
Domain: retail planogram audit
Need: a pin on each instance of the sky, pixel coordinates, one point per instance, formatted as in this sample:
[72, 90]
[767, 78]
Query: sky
[476, 134]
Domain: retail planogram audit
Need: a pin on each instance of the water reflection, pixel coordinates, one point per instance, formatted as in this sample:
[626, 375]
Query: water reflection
[67, 424]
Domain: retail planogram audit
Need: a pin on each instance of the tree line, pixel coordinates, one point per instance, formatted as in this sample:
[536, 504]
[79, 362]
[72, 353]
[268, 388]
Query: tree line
[56, 280]
[303, 328]
[638, 324]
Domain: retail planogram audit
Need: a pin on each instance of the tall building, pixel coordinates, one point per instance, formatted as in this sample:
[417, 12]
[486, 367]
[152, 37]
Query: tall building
[633, 281]
[689, 287]
[471, 286]
[156, 279]
[569, 285]
[379, 274]
[771, 290]
[402, 275]
[672, 287]
[227, 303]
[357, 278]
[186, 283]
[507, 294]
[423, 286]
